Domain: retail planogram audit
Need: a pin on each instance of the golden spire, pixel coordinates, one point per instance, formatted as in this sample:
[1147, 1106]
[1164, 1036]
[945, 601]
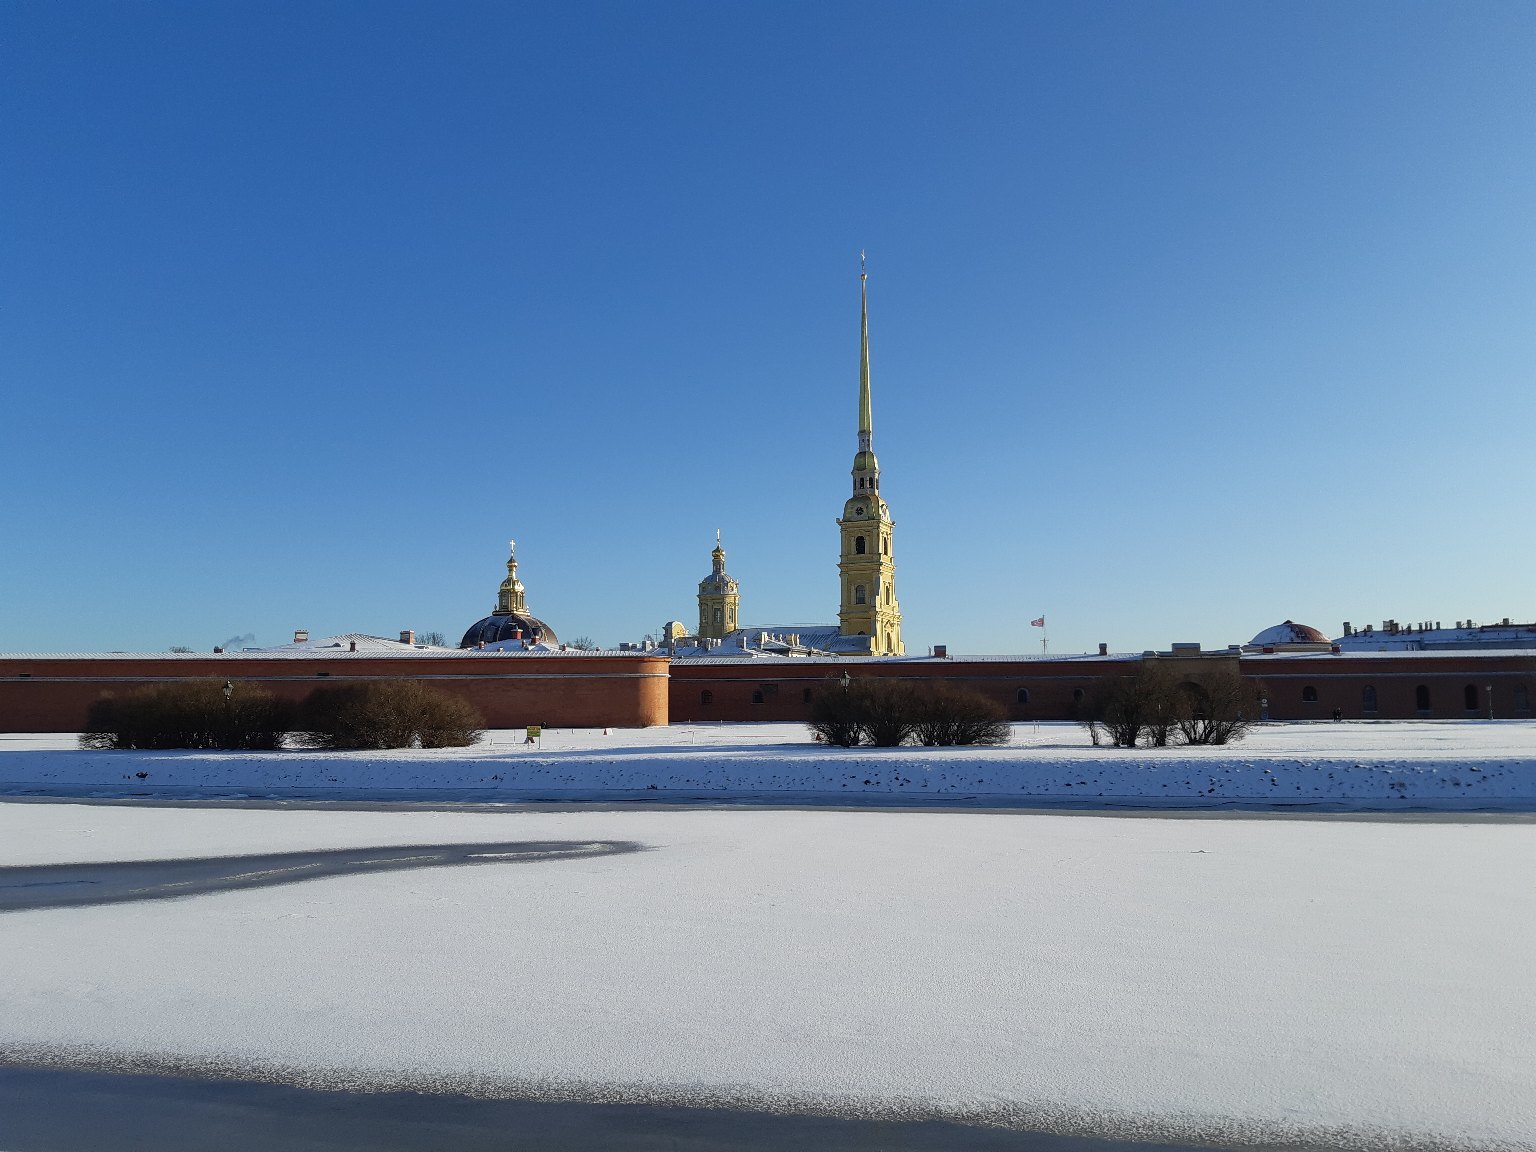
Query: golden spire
[866, 420]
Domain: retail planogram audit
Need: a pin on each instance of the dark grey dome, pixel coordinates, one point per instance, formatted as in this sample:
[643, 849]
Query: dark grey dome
[495, 628]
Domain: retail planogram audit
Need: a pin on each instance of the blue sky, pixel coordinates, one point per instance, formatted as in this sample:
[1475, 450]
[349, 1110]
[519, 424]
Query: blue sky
[1185, 318]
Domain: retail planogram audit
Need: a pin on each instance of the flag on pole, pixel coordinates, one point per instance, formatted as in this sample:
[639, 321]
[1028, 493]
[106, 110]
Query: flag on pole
[1037, 622]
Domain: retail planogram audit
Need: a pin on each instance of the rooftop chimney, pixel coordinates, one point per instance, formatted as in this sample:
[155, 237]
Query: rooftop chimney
[1103, 649]
[941, 651]
[408, 636]
[301, 635]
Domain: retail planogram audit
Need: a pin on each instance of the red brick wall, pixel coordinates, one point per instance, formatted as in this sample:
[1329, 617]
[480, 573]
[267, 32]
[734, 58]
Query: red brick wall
[1339, 681]
[53, 694]
[1051, 685]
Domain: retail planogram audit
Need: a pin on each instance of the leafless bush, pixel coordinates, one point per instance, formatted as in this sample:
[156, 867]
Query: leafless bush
[387, 714]
[946, 715]
[1217, 706]
[189, 714]
[889, 711]
[837, 717]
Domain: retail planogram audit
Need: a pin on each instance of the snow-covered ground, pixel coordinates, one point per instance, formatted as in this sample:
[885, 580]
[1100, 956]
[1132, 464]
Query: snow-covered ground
[1452, 764]
[1354, 984]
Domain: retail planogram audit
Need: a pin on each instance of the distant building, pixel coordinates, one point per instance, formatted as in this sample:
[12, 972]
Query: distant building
[511, 619]
[719, 599]
[1429, 636]
[868, 617]
[1289, 637]
[867, 570]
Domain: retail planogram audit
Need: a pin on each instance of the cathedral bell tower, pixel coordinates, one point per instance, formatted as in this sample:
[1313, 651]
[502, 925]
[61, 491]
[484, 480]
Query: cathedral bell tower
[719, 598]
[867, 572]
[511, 597]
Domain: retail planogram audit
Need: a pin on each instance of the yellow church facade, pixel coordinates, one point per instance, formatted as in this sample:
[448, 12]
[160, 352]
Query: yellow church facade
[869, 616]
[866, 568]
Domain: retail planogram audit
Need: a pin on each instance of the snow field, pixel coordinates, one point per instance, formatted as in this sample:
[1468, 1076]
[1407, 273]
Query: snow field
[1227, 979]
[1448, 764]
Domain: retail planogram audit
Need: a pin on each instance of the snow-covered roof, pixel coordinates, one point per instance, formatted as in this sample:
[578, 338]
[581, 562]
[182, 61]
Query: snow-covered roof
[1411, 639]
[1391, 654]
[296, 652]
[1287, 633]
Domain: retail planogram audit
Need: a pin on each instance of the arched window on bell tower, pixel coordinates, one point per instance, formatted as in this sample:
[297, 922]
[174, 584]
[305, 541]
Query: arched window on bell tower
[858, 545]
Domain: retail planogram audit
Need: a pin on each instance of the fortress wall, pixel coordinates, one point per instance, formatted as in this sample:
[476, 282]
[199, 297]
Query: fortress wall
[1338, 680]
[54, 694]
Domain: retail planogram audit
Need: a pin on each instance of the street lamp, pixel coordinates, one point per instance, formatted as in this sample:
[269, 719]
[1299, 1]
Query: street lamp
[1490, 701]
[229, 690]
[847, 680]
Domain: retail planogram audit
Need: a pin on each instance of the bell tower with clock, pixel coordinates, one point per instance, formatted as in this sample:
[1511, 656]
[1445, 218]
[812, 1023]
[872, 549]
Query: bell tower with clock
[866, 569]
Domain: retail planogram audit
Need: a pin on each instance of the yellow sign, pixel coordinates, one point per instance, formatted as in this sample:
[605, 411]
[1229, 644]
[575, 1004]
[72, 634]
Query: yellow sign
[534, 731]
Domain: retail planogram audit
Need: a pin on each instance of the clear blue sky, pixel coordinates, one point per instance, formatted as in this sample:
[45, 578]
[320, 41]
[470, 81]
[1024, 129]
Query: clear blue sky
[1186, 318]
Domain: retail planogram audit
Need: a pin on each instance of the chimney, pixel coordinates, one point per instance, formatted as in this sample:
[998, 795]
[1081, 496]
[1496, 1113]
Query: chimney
[1103, 649]
[941, 651]
[352, 646]
[1348, 631]
[218, 651]
[408, 636]
[301, 635]
[517, 633]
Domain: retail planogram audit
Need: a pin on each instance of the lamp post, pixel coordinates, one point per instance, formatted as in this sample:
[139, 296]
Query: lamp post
[847, 680]
[1490, 701]
[229, 690]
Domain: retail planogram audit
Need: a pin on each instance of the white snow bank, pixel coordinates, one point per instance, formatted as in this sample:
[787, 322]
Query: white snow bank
[1365, 984]
[1457, 764]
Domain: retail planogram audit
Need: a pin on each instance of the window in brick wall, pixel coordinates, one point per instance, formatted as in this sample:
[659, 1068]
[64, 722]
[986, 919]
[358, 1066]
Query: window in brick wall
[757, 695]
[1309, 695]
[1469, 693]
[1421, 697]
[706, 697]
[1522, 698]
[1021, 696]
[1368, 699]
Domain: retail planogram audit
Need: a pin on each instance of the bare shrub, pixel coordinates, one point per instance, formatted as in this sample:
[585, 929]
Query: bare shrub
[189, 714]
[947, 715]
[874, 711]
[890, 711]
[1124, 712]
[1218, 706]
[387, 714]
[1162, 705]
[1088, 711]
[836, 717]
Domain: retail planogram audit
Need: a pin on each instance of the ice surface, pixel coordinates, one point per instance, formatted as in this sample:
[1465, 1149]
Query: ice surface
[1221, 978]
